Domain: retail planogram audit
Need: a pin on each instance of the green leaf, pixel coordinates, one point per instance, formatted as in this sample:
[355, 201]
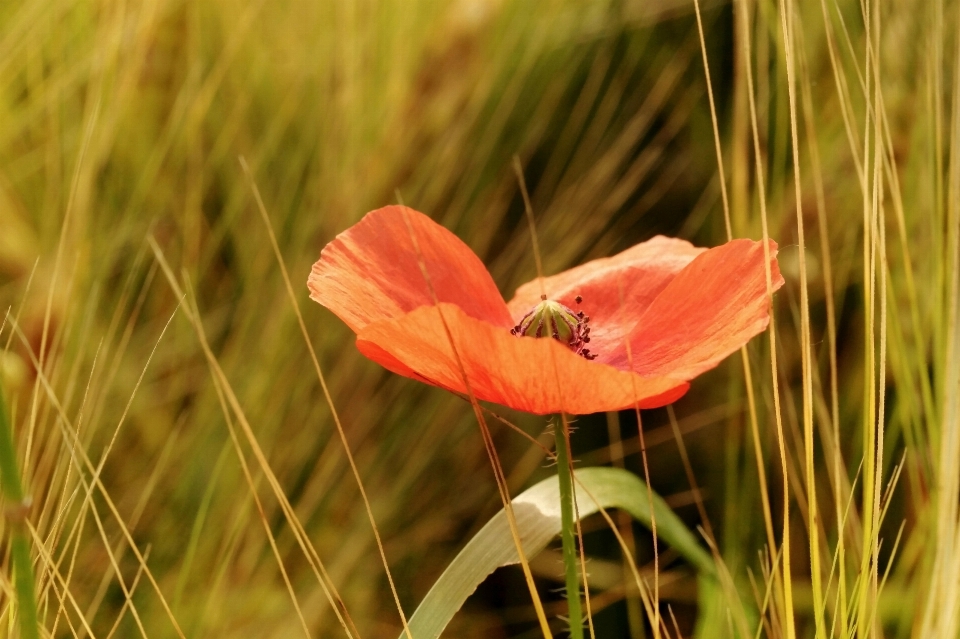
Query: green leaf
[537, 511]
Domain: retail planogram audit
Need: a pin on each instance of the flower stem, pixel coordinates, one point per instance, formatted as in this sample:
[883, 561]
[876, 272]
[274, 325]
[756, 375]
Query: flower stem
[568, 530]
[16, 513]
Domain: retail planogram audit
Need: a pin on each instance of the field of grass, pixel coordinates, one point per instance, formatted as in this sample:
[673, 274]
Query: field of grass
[185, 472]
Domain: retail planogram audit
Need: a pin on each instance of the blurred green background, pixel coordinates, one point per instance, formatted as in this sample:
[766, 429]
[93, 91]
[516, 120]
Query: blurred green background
[122, 123]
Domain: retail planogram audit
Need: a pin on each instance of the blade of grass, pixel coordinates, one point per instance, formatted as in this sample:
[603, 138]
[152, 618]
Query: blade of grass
[18, 509]
[538, 520]
[787, 11]
[323, 578]
[326, 392]
[787, 583]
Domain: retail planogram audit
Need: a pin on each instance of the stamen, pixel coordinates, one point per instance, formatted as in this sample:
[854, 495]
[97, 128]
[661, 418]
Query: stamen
[564, 325]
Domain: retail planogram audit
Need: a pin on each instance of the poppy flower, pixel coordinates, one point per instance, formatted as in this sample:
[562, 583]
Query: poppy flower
[621, 331]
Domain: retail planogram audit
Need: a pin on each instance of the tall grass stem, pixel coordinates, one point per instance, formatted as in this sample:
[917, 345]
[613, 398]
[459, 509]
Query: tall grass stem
[16, 518]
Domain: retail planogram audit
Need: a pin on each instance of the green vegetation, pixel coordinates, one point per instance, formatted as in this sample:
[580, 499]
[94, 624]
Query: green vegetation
[186, 471]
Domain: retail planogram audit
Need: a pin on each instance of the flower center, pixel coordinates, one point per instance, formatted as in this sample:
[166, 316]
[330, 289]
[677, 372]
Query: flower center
[552, 319]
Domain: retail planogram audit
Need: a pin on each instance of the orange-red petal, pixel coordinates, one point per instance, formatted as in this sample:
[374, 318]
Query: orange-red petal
[615, 290]
[709, 310]
[512, 371]
[372, 272]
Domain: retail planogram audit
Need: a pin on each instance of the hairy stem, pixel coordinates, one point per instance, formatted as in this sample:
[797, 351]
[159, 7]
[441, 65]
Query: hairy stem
[568, 531]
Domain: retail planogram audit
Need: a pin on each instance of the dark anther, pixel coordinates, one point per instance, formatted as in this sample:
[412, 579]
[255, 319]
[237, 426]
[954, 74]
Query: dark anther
[548, 318]
[543, 297]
